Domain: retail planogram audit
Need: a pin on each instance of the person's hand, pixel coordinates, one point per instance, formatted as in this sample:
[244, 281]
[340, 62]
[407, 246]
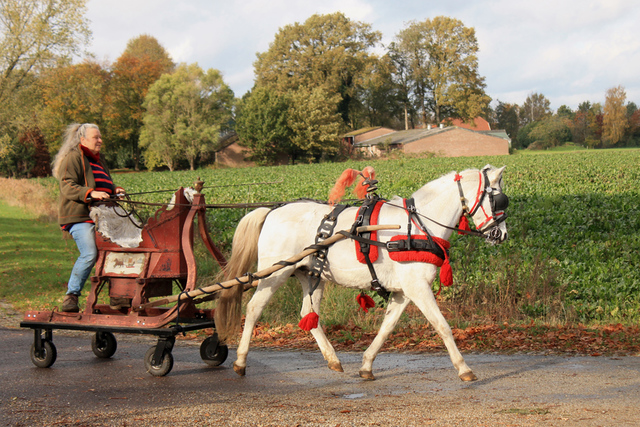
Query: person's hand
[120, 192]
[98, 195]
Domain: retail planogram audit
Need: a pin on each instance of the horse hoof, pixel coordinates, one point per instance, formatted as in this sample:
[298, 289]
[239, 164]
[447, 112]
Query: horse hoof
[336, 366]
[240, 370]
[367, 375]
[468, 376]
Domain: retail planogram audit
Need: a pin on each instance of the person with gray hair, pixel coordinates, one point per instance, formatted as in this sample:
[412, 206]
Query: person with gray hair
[84, 177]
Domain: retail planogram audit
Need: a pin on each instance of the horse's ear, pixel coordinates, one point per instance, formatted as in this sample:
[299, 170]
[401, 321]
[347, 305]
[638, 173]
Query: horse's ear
[495, 174]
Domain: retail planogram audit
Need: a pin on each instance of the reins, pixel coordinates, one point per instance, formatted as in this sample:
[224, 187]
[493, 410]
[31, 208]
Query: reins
[459, 230]
[207, 186]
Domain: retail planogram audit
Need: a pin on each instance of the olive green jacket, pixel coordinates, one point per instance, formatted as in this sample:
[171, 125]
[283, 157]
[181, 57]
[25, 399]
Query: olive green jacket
[76, 183]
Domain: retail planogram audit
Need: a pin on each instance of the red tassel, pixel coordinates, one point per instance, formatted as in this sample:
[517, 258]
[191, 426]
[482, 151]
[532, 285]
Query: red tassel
[365, 301]
[446, 275]
[309, 322]
[464, 224]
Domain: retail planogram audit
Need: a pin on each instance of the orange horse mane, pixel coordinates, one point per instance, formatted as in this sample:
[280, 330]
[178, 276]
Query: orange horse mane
[346, 179]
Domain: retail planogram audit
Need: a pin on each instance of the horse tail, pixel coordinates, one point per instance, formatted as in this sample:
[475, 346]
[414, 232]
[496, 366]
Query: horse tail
[244, 254]
[346, 179]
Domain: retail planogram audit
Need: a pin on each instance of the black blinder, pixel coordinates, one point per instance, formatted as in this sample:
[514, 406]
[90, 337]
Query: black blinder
[499, 202]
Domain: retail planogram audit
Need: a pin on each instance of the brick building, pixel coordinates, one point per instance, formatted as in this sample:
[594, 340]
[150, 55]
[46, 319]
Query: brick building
[449, 141]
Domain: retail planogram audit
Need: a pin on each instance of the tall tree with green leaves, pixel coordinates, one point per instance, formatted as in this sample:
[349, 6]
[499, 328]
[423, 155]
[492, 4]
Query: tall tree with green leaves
[566, 112]
[142, 63]
[185, 113]
[551, 131]
[507, 119]
[441, 58]
[328, 51]
[261, 125]
[402, 79]
[379, 99]
[313, 122]
[535, 107]
[615, 121]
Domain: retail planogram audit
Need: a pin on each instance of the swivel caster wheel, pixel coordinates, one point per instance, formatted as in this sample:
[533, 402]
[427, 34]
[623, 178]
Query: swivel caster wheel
[104, 344]
[212, 352]
[163, 367]
[46, 356]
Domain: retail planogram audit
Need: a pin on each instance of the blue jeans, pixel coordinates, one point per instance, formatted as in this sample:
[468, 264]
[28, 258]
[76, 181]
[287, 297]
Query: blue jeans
[84, 235]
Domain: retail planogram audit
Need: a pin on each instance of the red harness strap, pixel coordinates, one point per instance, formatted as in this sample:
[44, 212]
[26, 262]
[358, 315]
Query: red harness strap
[420, 256]
[373, 220]
[446, 277]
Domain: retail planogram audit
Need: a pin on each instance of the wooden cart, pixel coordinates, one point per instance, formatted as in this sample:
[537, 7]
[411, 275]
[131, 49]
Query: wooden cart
[164, 259]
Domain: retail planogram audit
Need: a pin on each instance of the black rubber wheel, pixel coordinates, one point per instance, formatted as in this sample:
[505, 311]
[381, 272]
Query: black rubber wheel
[163, 368]
[104, 344]
[212, 352]
[48, 356]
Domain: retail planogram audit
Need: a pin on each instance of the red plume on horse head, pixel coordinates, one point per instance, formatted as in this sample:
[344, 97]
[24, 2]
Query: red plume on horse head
[346, 179]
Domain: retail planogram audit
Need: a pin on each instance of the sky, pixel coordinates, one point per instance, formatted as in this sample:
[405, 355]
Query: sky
[570, 51]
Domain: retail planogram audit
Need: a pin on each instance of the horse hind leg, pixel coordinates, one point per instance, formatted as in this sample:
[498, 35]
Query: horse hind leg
[256, 305]
[327, 350]
[397, 304]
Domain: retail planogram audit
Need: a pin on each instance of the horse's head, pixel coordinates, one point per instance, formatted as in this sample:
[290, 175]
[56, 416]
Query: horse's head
[487, 204]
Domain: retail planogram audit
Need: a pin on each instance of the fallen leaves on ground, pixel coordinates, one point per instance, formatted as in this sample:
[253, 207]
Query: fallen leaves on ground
[510, 338]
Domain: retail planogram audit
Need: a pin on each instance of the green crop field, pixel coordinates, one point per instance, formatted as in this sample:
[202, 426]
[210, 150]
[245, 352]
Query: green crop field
[574, 246]
[573, 250]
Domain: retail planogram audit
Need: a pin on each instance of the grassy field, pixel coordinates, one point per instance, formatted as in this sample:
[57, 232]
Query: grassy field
[572, 255]
[35, 259]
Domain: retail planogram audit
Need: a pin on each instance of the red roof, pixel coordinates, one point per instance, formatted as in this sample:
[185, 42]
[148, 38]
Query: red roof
[478, 124]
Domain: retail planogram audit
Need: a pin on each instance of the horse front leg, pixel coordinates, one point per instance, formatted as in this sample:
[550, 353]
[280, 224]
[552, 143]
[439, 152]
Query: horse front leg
[397, 304]
[256, 305]
[423, 298]
[327, 350]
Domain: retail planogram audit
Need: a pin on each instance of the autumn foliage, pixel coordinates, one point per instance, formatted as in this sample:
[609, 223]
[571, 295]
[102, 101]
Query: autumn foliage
[511, 338]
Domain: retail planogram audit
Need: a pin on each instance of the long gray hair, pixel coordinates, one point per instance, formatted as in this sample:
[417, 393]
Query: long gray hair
[70, 140]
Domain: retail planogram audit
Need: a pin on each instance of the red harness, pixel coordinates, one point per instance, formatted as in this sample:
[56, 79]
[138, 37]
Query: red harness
[409, 255]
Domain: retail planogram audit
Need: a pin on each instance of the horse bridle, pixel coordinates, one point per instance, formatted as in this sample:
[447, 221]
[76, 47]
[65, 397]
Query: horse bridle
[497, 199]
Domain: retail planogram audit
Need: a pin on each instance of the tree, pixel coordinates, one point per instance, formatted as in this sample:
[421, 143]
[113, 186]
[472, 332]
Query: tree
[186, 111]
[34, 140]
[507, 119]
[634, 127]
[146, 47]
[535, 107]
[74, 93]
[328, 51]
[36, 35]
[587, 125]
[524, 134]
[566, 112]
[15, 158]
[141, 64]
[261, 124]
[401, 77]
[378, 98]
[551, 131]
[314, 124]
[441, 58]
[615, 122]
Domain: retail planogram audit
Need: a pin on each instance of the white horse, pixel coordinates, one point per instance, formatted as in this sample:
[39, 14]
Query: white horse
[269, 236]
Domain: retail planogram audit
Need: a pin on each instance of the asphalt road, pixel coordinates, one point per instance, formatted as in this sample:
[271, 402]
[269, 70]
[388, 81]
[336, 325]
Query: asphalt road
[293, 388]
